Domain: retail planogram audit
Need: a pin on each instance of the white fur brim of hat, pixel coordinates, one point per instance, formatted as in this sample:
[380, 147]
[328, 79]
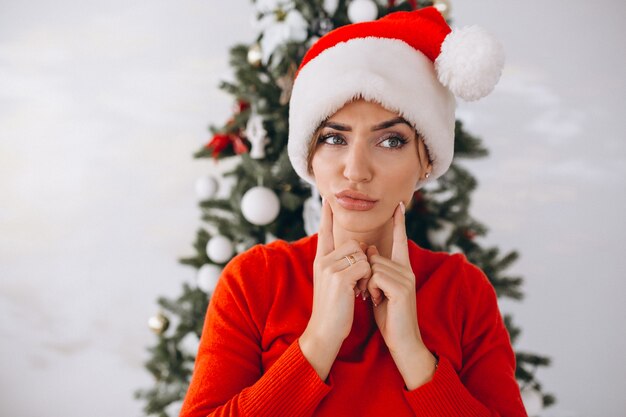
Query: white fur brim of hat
[383, 70]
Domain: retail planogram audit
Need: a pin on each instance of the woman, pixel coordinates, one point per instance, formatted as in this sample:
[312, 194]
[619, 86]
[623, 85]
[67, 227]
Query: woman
[358, 320]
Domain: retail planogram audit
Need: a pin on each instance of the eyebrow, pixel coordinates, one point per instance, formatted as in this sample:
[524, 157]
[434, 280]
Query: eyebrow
[384, 125]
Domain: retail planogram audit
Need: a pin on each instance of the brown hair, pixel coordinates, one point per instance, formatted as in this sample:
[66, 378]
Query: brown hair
[312, 147]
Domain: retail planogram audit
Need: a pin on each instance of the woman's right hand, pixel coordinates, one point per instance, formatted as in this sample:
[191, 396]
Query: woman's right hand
[334, 285]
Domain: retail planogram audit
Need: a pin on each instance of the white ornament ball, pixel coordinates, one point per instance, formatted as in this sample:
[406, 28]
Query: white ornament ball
[533, 401]
[220, 249]
[443, 7]
[260, 206]
[173, 409]
[207, 277]
[206, 187]
[330, 6]
[189, 344]
[362, 11]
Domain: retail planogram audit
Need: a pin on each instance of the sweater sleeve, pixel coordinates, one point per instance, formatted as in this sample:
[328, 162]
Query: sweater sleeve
[485, 384]
[228, 379]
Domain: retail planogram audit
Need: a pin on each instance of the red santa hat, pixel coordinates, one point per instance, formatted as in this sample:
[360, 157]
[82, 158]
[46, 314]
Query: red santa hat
[408, 62]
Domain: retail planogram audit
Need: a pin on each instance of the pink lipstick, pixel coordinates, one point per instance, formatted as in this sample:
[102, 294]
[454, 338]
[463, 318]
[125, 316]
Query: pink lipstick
[353, 200]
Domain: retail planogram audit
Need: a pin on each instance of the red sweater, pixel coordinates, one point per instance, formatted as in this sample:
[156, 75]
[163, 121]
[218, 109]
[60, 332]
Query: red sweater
[249, 361]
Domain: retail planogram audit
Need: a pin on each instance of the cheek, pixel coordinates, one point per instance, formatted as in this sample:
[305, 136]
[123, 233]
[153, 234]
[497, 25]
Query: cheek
[321, 174]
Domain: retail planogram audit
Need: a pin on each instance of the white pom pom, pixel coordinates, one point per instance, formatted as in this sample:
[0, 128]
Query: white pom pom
[470, 62]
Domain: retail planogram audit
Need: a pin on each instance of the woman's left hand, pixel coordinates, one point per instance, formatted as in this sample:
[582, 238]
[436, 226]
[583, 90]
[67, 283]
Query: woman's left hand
[392, 289]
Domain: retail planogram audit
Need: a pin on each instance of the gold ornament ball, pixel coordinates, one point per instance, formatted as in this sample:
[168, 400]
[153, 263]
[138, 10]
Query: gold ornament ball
[159, 323]
[444, 7]
[255, 55]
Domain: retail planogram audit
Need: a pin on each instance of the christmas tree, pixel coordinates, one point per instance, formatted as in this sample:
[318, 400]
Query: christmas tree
[263, 199]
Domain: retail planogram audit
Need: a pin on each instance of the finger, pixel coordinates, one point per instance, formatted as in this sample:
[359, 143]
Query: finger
[361, 285]
[381, 260]
[400, 247]
[325, 239]
[349, 247]
[373, 289]
[354, 273]
[348, 261]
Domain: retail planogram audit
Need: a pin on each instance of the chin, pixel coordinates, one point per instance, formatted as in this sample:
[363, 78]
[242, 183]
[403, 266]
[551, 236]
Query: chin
[359, 221]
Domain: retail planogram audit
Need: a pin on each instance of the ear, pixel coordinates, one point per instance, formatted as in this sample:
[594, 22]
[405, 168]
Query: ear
[422, 151]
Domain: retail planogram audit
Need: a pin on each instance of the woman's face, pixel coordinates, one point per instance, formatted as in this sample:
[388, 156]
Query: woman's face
[365, 163]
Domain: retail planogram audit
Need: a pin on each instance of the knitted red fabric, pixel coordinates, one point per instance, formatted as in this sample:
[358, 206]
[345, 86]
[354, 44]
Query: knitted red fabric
[249, 361]
[423, 29]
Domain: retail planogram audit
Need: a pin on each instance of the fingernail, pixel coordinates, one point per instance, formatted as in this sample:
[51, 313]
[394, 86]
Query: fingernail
[363, 296]
[402, 207]
[357, 294]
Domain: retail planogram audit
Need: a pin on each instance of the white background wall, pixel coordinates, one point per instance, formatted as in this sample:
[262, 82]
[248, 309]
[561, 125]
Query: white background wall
[103, 103]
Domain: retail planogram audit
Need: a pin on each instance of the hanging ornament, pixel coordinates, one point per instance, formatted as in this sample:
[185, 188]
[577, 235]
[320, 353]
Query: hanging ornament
[240, 106]
[189, 344]
[285, 82]
[257, 136]
[280, 27]
[255, 55]
[221, 142]
[312, 212]
[220, 249]
[362, 11]
[206, 187]
[444, 7]
[260, 206]
[207, 277]
[533, 401]
[330, 6]
[159, 323]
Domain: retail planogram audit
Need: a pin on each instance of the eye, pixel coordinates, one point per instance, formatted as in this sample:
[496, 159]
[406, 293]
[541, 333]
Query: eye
[393, 142]
[332, 139]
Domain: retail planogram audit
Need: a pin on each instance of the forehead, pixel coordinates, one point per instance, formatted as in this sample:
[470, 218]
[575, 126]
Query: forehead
[361, 110]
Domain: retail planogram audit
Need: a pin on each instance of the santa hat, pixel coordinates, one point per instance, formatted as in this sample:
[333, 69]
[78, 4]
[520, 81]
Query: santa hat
[409, 62]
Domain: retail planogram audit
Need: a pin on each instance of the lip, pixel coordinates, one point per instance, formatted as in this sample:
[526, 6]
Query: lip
[353, 200]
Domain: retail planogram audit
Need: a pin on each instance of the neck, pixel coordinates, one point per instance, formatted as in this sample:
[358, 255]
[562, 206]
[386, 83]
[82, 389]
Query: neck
[382, 237]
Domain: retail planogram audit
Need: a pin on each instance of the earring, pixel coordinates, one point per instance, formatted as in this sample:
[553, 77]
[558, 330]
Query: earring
[427, 175]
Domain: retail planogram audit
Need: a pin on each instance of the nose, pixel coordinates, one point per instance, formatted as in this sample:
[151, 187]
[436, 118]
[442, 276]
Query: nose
[357, 163]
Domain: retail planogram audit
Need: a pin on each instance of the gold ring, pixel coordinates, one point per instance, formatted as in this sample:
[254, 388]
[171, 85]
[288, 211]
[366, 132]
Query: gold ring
[351, 260]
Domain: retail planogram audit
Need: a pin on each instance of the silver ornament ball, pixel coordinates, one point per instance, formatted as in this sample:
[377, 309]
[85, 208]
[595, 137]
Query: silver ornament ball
[159, 323]
[255, 55]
